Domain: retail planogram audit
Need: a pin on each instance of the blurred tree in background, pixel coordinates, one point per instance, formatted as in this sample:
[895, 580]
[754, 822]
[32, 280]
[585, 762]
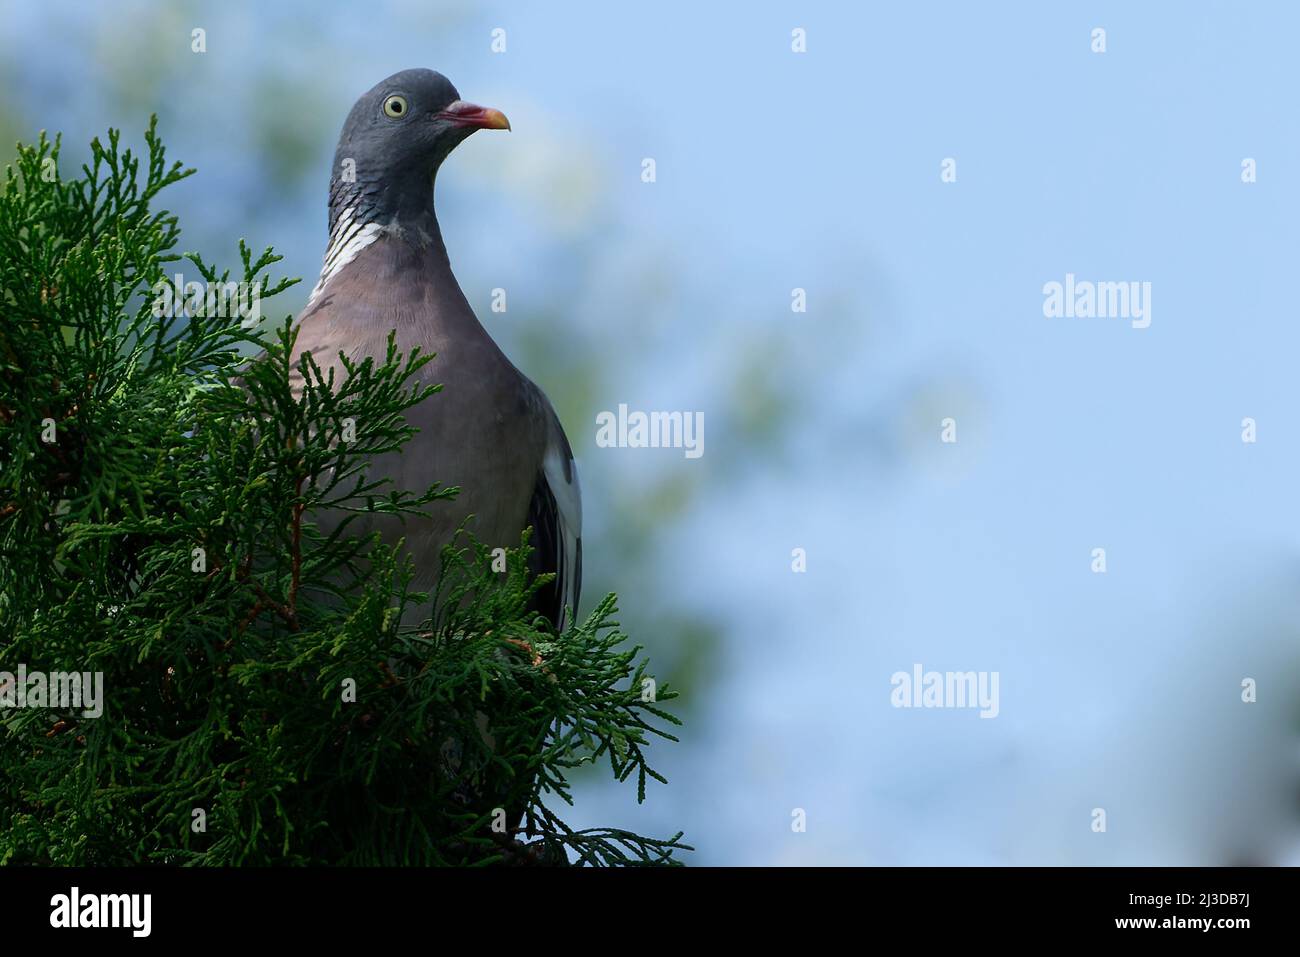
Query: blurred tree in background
[604, 304]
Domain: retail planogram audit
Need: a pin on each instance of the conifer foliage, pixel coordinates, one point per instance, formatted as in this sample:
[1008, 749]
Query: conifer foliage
[262, 700]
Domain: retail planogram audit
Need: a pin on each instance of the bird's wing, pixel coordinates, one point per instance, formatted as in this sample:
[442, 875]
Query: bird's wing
[555, 513]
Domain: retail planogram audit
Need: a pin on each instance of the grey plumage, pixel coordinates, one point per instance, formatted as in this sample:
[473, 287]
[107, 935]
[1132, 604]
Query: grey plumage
[491, 431]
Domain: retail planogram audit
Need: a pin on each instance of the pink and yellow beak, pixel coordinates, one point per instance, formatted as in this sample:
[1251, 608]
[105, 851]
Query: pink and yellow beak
[479, 117]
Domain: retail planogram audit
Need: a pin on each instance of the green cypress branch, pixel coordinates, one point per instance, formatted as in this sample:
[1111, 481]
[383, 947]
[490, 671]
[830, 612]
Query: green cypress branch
[159, 498]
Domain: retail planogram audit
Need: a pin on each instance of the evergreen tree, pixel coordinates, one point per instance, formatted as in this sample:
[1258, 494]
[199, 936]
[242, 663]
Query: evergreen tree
[262, 701]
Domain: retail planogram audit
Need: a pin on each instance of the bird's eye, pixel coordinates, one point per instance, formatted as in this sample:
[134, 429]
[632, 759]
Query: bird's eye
[395, 106]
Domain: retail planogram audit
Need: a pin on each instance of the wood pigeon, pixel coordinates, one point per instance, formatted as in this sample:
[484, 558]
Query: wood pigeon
[491, 431]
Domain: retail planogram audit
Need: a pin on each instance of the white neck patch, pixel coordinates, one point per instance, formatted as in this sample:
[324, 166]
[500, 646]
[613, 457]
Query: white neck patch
[347, 239]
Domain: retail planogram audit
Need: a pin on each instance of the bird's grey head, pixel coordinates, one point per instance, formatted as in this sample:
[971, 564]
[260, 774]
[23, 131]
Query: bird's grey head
[393, 142]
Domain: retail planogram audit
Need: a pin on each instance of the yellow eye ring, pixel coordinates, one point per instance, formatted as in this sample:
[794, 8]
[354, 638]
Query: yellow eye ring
[395, 106]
